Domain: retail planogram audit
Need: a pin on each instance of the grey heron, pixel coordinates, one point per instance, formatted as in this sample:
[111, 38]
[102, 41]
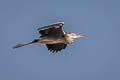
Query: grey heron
[54, 37]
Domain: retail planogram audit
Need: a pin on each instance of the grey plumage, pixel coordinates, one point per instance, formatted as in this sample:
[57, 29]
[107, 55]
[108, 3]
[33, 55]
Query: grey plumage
[54, 37]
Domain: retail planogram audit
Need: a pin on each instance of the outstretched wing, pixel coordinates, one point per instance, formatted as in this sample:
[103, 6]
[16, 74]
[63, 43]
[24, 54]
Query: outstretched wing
[54, 30]
[56, 47]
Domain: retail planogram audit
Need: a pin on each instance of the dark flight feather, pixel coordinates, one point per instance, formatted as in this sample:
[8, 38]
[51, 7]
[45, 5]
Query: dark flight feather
[56, 47]
[54, 30]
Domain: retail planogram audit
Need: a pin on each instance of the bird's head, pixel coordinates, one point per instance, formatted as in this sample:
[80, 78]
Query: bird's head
[73, 35]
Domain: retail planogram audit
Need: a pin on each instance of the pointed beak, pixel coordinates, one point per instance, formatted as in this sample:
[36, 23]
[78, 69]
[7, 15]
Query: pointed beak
[81, 35]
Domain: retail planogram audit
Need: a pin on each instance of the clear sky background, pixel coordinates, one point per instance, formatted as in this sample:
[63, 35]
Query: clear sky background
[95, 57]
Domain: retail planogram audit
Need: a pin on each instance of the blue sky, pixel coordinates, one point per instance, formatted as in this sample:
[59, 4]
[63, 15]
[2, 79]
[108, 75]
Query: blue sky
[95, 57]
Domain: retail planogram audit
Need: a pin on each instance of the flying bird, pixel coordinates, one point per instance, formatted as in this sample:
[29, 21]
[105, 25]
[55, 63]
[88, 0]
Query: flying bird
[54, 37]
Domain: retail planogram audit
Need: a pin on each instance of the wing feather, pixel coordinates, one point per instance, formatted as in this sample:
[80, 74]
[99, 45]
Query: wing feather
[56, 47]
[51, 30]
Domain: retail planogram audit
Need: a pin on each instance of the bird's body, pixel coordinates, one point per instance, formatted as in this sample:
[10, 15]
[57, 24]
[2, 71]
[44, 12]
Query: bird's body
[54, 37]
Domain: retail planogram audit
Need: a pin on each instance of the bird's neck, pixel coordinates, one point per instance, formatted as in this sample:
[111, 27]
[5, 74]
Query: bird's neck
[69, 39]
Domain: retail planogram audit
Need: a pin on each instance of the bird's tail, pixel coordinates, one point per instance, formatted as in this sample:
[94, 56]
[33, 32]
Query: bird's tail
[21, 45]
